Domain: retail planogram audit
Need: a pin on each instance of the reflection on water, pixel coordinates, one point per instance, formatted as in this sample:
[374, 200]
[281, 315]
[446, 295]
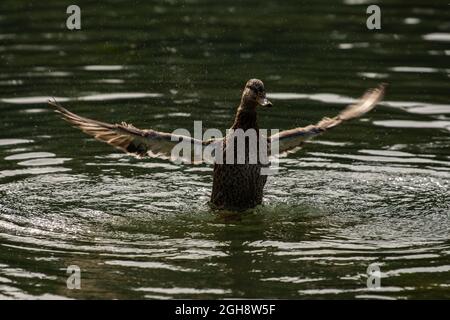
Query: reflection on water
[437, 36]
[374, 191]
[103, 68]
[414, 124]
[92, 97]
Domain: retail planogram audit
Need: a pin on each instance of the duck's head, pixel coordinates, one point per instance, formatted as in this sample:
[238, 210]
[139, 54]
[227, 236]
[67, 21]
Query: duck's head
[254, 94]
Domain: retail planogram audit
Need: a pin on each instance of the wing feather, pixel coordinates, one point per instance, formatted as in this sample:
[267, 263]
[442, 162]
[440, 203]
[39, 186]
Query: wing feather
[134, 141]
[290, 141]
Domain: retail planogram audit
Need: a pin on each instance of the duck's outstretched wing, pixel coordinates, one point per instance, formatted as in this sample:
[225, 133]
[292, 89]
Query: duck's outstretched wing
[141, 143]
[290, 141]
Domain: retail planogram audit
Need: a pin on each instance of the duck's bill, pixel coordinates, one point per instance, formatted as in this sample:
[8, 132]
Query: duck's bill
[263, 102]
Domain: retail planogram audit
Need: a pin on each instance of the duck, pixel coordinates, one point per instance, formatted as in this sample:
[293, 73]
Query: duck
[236, 185]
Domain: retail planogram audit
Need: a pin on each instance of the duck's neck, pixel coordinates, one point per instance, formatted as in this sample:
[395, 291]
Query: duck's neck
[245, 118]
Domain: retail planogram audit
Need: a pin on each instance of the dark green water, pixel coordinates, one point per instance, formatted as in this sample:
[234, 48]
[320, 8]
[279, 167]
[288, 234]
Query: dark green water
[373, 191]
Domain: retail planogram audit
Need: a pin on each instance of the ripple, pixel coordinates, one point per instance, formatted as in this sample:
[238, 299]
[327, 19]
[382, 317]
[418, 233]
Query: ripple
[179, 114]
[29, 47]
[411, 20]
[113, 226]
[8, 142]
[93, 97]
[30, 155]
[11, 82]
[43, 162]
[430, 109]
[32, 171]
[118, 96]
[310, 245]
[20, 273]
[103, 67]
[339, 291]
[322, 97]
[356, 2]
[413, 124]
[5, 36]
[35, 110]
[414, 69]
[287, 95]
[418, 107]
[437, 37]
[414, 257]
[388, 153]
[33, 100]
[331, 143]
[372, 296]
[110, 81]
[379, 158]
[433, 269]
[9, 292]
[409, 106]
[181, 291]
[293, 279]
[373, 75]
[346, 46]
[147, 265]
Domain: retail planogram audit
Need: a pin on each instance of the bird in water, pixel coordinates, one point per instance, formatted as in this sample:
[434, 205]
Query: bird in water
[236, 185]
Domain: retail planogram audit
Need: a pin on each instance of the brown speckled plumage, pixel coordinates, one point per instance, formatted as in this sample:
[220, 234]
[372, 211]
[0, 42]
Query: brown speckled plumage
[235, 186]
[240, 186]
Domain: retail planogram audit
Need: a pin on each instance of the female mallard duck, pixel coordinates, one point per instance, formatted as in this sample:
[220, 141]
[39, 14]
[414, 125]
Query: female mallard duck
[235, 186]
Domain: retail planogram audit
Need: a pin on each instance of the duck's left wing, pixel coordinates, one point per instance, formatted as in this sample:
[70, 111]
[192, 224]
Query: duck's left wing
[292, 140]
[142, 142]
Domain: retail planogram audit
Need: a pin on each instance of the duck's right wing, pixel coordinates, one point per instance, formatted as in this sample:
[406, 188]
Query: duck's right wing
[141, 143]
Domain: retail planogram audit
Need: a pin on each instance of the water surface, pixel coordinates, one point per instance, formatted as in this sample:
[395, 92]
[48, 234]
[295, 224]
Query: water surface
[373, 191]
